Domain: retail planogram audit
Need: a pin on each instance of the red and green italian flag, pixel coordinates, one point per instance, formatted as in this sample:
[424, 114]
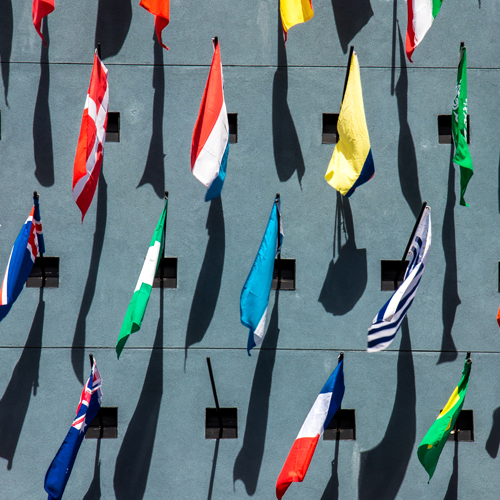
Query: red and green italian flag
[421, 13]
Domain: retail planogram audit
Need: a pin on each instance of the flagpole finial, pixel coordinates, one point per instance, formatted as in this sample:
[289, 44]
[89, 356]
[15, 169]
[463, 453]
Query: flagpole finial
[35, 195]
[468, 358]
[166, 195]
[341, 357]
[215, 40]
[99, 50]
[91, 356]
[462, 44]
[277, 196]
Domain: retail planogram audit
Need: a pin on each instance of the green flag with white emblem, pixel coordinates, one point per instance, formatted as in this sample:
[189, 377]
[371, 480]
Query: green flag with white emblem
[137, 307]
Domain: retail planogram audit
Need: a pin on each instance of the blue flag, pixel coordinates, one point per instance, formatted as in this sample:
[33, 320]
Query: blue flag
[60, 469]
[255, 294]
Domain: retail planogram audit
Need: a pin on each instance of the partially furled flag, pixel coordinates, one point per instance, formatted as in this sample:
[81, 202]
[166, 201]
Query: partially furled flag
[137, 307]
[88, 158]
[459, 127]
[161, 10]
[352, 161]
[387, 322]
[40, 9]
[210, 144]
[255, 294]
[322, 411]
[28, 245]
[421, 14]
[295, 12]
[60, 469]
[431, 446]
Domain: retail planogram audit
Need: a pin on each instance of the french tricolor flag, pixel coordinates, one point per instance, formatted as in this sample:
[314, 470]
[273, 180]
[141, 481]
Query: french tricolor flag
[322, 411]
[210, 145]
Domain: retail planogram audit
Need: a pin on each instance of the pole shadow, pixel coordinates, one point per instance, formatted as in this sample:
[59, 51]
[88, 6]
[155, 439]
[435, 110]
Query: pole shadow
[214, 465]
[6, 32]
[42, 128]
[154, 171]
[134, 458]
[332, 488]
[78, 346]
[112, 26]
[395, 27]
[350, 18]
[249, 460]
[451, 300]
[94, 491]
[383, 468]
[493, 442]
[349, 268]
[407, 158]
[16, 398]
[287, 152]
[452, 491]
[207, 289]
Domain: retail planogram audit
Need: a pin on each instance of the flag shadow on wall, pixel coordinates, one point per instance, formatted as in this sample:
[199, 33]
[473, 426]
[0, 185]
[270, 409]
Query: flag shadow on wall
[94, 491]
[452, 491]
[249, 460]
[78, 346]
[383, 468]
[493, 442]
[6, 32]
[112, 26]
[16, 398]
[332, 488]
[287, 152]
[42, 127]
[208, 285]
[350, 268]
[350, 18]
[154, 171]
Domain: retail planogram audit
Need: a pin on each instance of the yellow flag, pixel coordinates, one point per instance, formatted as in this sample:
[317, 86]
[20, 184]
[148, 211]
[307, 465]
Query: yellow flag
[295, 12]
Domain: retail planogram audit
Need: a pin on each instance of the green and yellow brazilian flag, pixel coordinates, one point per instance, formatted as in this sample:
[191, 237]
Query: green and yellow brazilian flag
[431, 446]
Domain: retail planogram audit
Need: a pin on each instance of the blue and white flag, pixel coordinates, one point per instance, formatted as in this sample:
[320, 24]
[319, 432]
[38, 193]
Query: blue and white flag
[387, 322]
[28, 245]
[60, 469]
[255, 294]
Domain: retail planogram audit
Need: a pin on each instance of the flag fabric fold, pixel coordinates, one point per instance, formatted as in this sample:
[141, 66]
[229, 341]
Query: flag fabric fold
[137, 307]
[421, 14]
[210, 144]
[351, 164]
[432, 445]
[161, 10]
[459, 127]
[28, 245]
[255, 294]
[39, 10]
[295, 12]
[60, 469]
[89, 152]
[387, 322]
[320, 415]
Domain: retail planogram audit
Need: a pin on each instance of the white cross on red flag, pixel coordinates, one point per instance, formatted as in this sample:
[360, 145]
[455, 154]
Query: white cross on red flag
[88, 158]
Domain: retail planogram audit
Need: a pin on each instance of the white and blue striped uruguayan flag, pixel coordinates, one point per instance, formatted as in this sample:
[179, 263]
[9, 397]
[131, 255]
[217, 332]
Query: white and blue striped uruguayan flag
[387, 322]
[255, 294]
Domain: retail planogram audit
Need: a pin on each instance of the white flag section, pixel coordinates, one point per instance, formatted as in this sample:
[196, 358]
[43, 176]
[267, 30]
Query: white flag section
[387, 322]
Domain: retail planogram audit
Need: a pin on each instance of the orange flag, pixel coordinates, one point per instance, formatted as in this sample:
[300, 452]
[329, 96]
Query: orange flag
[40, 9]
[161, 10]
[498, 317]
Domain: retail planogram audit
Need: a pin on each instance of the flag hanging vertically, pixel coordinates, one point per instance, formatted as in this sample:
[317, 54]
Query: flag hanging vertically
[431, 446]
[88, 158]
[161, 10]
[421, 14]
[459, 127]
[255, 294]
[28, 245]
[137, 307]
[387, 322]
[352, 161]
[322, 411]
[210, 144]
[40, 9]
[60, 469]
[295, 12]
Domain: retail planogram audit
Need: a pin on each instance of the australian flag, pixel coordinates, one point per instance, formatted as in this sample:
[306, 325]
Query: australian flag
[60, 469]
[29, 244]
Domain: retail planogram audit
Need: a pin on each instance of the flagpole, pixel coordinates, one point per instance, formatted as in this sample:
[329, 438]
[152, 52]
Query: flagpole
[340, 358]
[162, 263]
[214, 390]
[99, 50]
[42, 263]
[278, 284]
[215, 41]
[91, 356]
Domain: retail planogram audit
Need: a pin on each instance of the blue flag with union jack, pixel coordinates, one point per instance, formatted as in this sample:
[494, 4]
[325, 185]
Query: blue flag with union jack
[27, 246]
[60, 469]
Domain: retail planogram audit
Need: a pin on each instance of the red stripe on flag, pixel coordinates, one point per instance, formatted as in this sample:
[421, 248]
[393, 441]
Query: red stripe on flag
[161, 10]
[410, 34]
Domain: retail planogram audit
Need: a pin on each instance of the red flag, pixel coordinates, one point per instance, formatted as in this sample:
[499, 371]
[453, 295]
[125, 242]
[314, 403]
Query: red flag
[41, 8]
[498, 317]
[161, 10]
[88, 158]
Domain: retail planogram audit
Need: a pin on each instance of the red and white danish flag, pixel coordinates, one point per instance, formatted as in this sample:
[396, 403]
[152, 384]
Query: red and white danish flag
[88, 158]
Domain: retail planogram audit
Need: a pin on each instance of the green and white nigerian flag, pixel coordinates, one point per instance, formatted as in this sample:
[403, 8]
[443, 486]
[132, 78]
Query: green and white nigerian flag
[431, 446]
[139, 302]
[459, 127]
